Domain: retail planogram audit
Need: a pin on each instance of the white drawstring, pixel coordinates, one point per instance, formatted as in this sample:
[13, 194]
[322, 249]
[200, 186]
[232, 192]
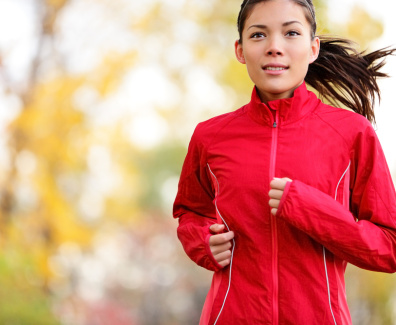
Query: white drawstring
[232, 251]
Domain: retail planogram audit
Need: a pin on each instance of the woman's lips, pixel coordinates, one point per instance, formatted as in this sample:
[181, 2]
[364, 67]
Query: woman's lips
[275, 69]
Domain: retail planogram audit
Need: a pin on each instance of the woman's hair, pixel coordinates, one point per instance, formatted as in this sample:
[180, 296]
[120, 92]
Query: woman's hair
[340, 74]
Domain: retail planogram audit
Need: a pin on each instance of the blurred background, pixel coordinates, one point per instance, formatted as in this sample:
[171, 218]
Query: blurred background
[98, 100]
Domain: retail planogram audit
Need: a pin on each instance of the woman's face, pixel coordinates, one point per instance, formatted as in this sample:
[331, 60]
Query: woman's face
[277, 48]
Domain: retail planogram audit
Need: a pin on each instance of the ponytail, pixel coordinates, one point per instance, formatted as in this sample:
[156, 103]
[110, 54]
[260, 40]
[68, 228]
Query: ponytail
[343, 75]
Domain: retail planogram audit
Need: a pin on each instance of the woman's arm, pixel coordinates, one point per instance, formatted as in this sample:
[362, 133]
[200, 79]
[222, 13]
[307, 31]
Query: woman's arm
[202, 238]
[364, 236]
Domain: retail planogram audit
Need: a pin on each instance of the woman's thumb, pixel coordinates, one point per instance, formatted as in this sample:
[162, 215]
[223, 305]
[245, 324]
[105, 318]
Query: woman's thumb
[216, 228]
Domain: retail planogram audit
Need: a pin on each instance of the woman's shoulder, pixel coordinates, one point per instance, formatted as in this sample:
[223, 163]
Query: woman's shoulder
[210, 127]
[345, 122]
[342, 117]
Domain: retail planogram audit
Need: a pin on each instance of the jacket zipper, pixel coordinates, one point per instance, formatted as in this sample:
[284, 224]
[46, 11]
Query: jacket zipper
[275, 309]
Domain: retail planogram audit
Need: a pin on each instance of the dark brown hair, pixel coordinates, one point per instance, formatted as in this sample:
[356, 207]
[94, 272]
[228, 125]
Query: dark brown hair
[340, 74]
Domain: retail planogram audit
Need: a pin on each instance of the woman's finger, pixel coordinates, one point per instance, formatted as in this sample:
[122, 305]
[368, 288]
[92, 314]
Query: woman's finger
[222, 256]
[216, 228]
[221, 238]
[279, 183]
[275, 194]
[225, 262]
[274, 203]
[220, 248]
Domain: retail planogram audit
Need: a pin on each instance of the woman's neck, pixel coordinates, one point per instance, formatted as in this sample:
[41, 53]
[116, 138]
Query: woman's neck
[266, 97]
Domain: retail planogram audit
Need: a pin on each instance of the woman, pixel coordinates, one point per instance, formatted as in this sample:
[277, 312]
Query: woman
[278, 196]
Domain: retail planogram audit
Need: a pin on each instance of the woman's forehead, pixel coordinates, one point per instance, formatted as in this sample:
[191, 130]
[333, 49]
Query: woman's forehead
[276, 12]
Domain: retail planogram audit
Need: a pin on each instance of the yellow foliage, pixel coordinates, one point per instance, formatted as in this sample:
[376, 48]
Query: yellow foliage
[236, 76]
[108, 76]
[363, 28]
[56, 3]
[148, 21]
[60, 216]
[45, 124]
[45, 129]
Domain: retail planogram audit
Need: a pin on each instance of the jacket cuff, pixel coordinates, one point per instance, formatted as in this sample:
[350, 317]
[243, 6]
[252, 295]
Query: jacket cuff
[195, 241]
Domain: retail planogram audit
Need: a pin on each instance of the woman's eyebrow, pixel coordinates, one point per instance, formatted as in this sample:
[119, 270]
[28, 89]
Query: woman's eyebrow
[291, 22]
[284, 24]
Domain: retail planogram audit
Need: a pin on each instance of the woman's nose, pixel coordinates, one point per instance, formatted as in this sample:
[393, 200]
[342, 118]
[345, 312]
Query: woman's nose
[274, 47]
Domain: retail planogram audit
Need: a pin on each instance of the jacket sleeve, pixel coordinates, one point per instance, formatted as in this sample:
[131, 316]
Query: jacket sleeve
[364, 236]
[194, 206]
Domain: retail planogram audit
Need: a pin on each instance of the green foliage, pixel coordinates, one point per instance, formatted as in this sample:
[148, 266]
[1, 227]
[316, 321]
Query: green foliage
[23, 299]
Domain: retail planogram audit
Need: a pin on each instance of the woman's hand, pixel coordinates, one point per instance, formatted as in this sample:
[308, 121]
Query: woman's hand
[277, 187]
[220, 244]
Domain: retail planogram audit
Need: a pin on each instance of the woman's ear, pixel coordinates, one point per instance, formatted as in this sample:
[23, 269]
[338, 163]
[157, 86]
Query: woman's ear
[315, 48]
[239, 52]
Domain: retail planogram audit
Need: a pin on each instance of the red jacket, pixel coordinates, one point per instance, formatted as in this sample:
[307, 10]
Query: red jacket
[340, 207]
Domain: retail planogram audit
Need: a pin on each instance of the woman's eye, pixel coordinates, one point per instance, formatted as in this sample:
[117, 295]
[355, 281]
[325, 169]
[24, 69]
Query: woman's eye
[292, 33]
[257, 35]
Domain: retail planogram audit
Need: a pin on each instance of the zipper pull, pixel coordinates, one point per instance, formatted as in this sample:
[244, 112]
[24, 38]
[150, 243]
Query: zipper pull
[275, 125]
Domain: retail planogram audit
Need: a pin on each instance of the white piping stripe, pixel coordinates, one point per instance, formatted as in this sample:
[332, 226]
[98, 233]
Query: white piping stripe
[328, 284]
[232, 251]
[339, 182]
[324, 249]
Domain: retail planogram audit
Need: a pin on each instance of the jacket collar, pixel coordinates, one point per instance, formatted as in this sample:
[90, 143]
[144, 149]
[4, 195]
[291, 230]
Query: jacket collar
[289, 109]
